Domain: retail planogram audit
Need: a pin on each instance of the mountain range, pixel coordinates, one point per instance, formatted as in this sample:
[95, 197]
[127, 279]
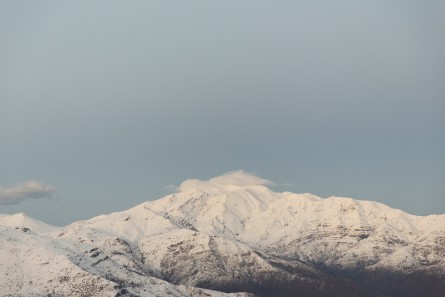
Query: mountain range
[229, 237]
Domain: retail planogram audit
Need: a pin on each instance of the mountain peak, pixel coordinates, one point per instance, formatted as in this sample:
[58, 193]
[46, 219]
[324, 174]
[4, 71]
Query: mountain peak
[21, 220]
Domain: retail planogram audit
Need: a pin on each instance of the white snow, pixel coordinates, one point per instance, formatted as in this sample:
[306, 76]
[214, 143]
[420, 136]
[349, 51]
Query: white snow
[233, 214]
[21, 220]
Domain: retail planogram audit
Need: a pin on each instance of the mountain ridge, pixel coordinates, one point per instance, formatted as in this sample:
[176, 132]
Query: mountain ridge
[232, 234]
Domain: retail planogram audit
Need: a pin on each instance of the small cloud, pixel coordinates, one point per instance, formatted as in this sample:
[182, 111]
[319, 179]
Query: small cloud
[28, 190]
[234, 178]
[172, 188]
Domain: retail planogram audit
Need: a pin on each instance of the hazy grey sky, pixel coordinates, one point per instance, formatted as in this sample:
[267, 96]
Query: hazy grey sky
[105, 103]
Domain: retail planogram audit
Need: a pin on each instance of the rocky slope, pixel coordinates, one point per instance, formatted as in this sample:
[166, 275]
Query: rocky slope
[230, 234]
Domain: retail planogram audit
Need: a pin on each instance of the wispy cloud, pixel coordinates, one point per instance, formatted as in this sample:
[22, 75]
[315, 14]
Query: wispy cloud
[239, 178]
[27, 190]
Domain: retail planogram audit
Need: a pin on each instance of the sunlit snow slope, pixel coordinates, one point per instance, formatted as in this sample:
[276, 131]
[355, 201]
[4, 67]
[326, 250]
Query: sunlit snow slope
[229, 234]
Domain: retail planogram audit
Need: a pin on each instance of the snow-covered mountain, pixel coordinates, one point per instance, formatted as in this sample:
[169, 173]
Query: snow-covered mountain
[228, 234]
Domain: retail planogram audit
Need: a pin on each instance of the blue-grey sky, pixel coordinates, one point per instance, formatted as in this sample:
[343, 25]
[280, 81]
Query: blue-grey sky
[105, 103]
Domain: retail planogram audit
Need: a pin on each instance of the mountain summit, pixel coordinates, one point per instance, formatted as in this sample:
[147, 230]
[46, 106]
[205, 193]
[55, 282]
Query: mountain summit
[230, 235]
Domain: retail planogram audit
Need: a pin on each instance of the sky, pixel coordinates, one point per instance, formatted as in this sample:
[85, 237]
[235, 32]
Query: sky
[107, 104]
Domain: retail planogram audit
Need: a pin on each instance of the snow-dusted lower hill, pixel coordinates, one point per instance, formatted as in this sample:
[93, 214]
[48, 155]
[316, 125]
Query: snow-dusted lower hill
[39, 264]
[228, 234]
